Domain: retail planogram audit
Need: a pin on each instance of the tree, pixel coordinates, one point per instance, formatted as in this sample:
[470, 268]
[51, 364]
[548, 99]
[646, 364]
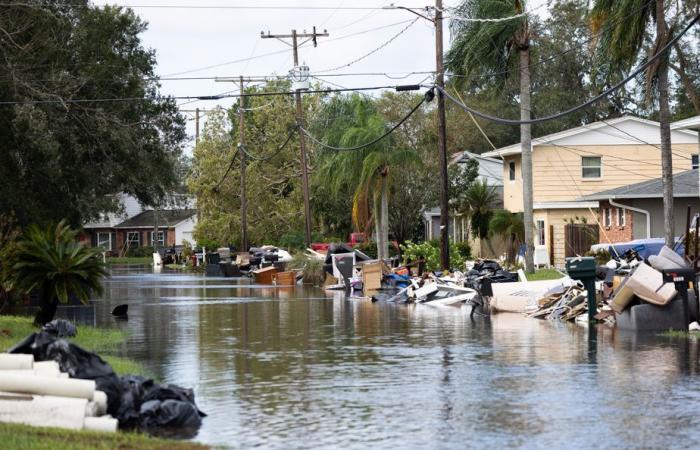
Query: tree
[367, 170]
[273, 172]
[53, 263]
[490, 47]
[61, 158]
[478, 205]
[621, 40]
[510, 226]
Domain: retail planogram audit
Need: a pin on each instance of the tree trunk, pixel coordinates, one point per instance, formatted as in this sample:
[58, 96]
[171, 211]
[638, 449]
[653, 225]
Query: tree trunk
[377, 226]
[385, 219]
[526, 149]
[665, 119]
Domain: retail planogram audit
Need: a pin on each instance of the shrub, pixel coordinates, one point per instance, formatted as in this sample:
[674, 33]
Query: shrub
[430, 251]
[140, 251]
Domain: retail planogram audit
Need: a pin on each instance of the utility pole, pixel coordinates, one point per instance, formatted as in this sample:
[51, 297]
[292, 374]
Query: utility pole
[442, 142]
[244, 194]
[196, 126]
[442, 128]
[300, 117]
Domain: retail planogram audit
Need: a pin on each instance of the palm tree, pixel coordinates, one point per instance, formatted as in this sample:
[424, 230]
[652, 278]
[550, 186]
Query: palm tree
[367, 171]
[621, 39]
[511, 226]
[478, 205]
[491, 47]
[53, 263]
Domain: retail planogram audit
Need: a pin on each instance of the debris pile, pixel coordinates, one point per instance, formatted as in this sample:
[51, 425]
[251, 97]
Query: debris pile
[490, 270]
[567, 305]
[135, 402]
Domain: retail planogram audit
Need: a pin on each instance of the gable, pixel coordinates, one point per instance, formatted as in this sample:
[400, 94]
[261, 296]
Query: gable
[626, 130]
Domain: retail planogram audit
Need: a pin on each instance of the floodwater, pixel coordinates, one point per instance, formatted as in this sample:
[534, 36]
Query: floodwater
[296, 368]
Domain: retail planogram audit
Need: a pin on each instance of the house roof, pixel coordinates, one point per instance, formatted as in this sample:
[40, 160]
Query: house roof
[685, 184]
[627, 130]
[687, 124]
[166, 218]
[490, 169]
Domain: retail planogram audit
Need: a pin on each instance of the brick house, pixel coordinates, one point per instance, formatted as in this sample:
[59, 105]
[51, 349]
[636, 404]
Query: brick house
[636, 211]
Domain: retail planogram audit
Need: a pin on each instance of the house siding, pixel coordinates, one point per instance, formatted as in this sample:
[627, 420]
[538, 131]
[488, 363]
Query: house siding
[615, 232]
[556, 171]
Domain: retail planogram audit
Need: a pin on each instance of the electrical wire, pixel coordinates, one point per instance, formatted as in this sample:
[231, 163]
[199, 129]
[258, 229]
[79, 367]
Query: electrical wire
[274, 154]
[230, 166]
[556, 55]
[375, 50]
[209, 97]
[600, 96]
[427, 97]
[245, 7]
[495, 19]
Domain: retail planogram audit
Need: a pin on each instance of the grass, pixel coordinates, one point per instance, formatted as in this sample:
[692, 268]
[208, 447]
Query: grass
[544, 274]
[21, 437]
[107, 343]
[681, 334]
[129, 260]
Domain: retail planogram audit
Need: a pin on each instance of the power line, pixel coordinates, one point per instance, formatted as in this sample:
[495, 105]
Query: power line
[209, 97]
[427, 97]
[494, 19]
[600, 96]
[375, 50]
[244, 7]
[275, 153]
[230, 166]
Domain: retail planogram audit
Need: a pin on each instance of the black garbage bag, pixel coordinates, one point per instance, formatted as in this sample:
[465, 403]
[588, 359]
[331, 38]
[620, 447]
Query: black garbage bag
[126, 395]
[60, 328]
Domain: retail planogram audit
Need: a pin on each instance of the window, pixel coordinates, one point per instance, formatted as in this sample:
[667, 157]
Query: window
[104, 240]
[621, 217]
[607, 217]
[161, 238]
[591, 167]
[540, 232]
[511, 171]
[694, 161]
[133, 239]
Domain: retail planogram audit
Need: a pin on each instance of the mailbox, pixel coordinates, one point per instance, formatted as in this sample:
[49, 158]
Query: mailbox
[583, 268]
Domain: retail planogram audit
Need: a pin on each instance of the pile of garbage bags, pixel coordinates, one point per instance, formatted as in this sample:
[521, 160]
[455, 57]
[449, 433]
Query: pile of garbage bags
[136, 402]
[487, 269]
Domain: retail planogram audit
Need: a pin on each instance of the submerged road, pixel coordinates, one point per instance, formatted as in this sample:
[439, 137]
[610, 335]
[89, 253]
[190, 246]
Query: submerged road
[296, 368]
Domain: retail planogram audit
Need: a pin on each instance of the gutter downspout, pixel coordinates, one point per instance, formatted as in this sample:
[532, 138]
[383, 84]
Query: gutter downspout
[632, 208]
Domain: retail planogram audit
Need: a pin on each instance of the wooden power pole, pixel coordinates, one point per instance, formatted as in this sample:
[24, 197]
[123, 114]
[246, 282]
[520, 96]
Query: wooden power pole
[300, 118]
[442, 142]
[242, 150]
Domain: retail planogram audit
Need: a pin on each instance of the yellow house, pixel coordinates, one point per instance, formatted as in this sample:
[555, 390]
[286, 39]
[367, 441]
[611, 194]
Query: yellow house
[574, 163]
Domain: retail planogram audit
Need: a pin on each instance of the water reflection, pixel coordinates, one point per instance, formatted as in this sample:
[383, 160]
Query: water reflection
[296, 368]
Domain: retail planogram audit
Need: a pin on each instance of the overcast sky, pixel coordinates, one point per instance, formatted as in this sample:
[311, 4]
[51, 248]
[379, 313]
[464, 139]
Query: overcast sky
[188, 40]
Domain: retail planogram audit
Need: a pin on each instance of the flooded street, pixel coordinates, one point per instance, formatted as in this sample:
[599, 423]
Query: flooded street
[296, 368]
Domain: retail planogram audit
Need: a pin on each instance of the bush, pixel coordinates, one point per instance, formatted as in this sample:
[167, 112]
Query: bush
[464, 249]
[430, 251]
[602, 256]
[295, 240]
[140, 251]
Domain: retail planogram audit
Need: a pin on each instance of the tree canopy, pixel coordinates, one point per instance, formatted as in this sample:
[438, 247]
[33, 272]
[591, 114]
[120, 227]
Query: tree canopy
[83, 117]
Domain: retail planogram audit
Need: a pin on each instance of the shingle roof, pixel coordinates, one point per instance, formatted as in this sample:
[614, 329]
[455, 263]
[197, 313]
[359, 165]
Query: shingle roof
[166, 218]
[685, 184]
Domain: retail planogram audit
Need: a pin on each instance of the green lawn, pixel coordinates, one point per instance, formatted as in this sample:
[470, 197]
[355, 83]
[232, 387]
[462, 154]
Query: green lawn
[23, 437]
[544, 274]
[681, 334]
[129, 260]
[105, 342]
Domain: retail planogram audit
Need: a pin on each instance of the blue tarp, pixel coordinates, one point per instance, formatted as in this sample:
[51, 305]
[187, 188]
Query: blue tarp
[644, 247]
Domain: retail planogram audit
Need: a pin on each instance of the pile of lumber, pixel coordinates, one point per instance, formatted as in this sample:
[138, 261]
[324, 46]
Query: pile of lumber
[567, 305]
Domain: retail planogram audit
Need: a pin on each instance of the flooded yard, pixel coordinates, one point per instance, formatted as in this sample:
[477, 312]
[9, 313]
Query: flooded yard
[297, 368]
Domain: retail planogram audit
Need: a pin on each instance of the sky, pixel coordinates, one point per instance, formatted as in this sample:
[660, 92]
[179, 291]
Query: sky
[208, 42]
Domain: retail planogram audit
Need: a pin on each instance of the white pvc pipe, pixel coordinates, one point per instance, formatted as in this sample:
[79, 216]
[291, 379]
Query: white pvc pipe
[59, 387]
[43, 411]
[10, 361]
[632, 208]
[103, 424]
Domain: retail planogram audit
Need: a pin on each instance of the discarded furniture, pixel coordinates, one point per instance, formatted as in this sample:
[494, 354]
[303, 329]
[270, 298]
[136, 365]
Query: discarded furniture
[286, 278]
[264, 275]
